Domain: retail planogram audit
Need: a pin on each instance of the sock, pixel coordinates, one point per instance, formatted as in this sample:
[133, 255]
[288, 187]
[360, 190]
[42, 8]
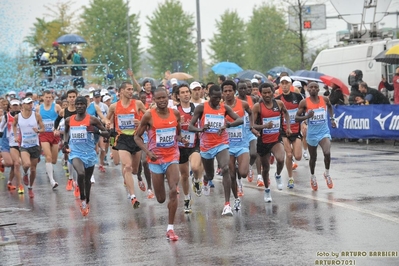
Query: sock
[227, 203]
[132, 196]
[49, 170]
[259, 177]
[327, 172]
[239, 182]
[312, 176]
[305, 150]
[170, 227]
[187, 197]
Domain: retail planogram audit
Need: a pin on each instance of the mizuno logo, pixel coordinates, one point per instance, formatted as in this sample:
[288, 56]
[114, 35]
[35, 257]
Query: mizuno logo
[338, 118]
[381, 120]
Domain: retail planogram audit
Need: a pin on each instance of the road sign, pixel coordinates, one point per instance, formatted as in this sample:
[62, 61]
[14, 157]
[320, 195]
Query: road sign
[313, 17]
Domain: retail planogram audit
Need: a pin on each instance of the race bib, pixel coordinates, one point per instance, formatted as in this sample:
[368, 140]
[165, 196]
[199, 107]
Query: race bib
[190, 136]
[126, 121]
[276, 125]
[319, 117]
[215, 122]
[78, 134]
[48, 125]
[235, 133]
[29, 139]
[292, 114]
[165, 137]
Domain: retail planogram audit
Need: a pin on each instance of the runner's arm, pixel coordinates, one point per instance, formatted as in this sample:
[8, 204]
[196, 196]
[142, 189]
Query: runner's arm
[40, 123]
[237, 120]
[198, 111]
[138, 137]
[300, 116]
[286, 116]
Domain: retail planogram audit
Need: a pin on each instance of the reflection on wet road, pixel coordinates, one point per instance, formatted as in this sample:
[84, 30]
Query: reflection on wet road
[300, 227]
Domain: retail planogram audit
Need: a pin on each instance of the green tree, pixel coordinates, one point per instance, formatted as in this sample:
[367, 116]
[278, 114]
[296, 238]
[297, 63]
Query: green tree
[44, 33]
[170, 38]
[269, 42]
[228, 44]
[104, 27]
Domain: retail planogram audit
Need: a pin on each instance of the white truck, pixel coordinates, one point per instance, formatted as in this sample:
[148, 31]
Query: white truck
[339, 62]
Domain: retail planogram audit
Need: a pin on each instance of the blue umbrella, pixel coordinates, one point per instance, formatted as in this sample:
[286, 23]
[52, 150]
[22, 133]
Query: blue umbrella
[70, 39]
[275, 71]
[226, 68]
[307, 75]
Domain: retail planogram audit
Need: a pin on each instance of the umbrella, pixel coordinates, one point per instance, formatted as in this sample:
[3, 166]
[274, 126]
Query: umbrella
[390, 56]
[249, 74]
[328, 80]
[180, 76]
[275, 71]
[70, 39]
[307, 75]
[226, 68]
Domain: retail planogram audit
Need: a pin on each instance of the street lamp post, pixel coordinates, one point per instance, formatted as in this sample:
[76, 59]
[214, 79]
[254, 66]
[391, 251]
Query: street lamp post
[199, 42]
[129, 48]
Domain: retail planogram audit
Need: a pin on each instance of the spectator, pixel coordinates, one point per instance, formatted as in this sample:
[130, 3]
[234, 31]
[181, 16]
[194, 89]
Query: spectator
[355, 77]
[77, 71]
[326, 91]
[394, 87]
[370, 96]
[57, 57]
[258, 78]
[221, 79]
[336, 95]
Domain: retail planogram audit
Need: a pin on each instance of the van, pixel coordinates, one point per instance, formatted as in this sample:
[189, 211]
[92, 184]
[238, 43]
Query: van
[339, 62]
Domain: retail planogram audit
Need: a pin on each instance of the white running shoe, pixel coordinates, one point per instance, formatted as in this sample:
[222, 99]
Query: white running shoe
[279, 181]
[227, 210]
[267, 197]
[206, 189]
[237, 204]
[306, 155]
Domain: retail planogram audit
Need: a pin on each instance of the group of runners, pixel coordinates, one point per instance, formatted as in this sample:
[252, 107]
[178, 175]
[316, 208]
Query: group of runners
[170, 141]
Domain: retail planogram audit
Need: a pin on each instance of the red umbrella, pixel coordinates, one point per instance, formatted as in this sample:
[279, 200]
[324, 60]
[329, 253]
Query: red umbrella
[329, 81]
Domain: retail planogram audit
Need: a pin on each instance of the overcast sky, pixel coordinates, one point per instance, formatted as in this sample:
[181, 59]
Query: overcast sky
[18, 16]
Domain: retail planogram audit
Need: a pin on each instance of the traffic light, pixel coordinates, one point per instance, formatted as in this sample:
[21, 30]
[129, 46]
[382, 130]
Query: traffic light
[307, 24]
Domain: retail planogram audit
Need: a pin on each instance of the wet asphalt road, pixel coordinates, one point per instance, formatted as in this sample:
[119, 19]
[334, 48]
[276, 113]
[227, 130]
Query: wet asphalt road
[300, 227]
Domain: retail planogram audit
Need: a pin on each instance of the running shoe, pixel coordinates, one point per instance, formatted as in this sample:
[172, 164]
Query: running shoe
[135, 203]
[271, 159]
[259, 183]
[219, 171]
[30, 192]
[306, 155]
[69, 185]
[76, 192]
[187, 206]
[279, 181]
[290, 183]
[83, 208]
[313, 183]
[21, 189]
[294, 165]
[240, 192]
[250, 175]
[150, 194]
[329, 181]
[206, 190]
[11, 186]
[87, 209]
[227, 210]
[267, 197]
[142, 186]
[237, 204]
[65, 165]
[101, 168]
[197, 187]
[26, 179]
[210, 183]
[170, 235]
[55, 184]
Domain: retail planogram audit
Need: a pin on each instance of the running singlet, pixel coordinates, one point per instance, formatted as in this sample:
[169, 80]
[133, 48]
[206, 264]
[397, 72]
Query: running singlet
[91, 109]
[29, 138]
[48, 116]
[270, 135]
[318, 124]
[216, 119]
[291, 102]
[10, 132]
[247, 127]
[162, 138]
[80, 141]
[185, 119]
[124, 118]
[236, 134]
[68, 113]
[250, 101]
